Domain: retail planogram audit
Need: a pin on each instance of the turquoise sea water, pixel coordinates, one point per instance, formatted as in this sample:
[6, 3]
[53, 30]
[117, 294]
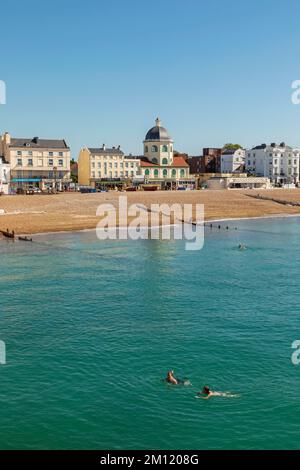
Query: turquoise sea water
[92, 327]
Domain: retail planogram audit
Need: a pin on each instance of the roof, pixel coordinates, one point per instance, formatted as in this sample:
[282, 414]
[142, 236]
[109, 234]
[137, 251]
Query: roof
[35, 142]
[177, 162]
[106, 151]
[270, 148]
[158, 133]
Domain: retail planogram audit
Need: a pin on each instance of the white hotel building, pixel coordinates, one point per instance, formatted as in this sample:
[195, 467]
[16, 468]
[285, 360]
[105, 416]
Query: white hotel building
[280, 163]
[4, 176]
[233, 161]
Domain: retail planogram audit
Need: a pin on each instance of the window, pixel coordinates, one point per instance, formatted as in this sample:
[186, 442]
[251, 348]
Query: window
[164, 148]
[182, 173]
[19, 162]
[156, 172]
[19, 153]
[60, 154]
[50, 154]
[154, 148]
[60, 175]
[93, 174]
[30, 153]
[164, 161]
[147, 172]
[99, 174]
[154, 160]
[30, 162]
[60, 162]
[146, 149]
[50, 162]
[174, 173]
[165, 173]
[50, 174]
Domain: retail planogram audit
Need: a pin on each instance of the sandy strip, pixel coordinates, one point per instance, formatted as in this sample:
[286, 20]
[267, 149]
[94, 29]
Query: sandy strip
[76, 212]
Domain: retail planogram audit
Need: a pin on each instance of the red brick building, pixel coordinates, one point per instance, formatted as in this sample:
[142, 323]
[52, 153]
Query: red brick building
[209, 162]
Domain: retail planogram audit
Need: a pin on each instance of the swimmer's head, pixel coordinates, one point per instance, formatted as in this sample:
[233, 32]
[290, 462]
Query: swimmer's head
[206, 390]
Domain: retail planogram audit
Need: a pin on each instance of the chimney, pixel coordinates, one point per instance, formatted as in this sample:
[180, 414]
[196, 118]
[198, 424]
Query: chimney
[7, 138]
[35, 140]
[119, 147]
[103, 147]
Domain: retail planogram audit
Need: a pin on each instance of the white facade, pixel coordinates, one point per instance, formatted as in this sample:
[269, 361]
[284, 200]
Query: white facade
[4, 176]
[280, 163]
[233, 161]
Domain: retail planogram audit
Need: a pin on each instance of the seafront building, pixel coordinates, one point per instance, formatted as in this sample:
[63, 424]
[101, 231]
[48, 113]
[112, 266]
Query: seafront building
[160, 165]
[233, 161]
[104, 167]
[35, 162]
[4, 176]
[280, 163]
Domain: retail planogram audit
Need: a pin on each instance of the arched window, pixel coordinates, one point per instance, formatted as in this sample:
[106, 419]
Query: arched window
[182, 173]
[147, 172]
[146, 149]
[174, 173]
[164, 161]
[154, 160]
[154, 148]
[156, 172]
[164, 148]
[165, 173]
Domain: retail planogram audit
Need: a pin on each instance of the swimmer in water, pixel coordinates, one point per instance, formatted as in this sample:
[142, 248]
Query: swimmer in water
[206, 394]
[242, 246]
[171, 379]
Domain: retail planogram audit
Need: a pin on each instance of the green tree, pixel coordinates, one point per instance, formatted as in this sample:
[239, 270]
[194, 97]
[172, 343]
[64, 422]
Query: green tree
[232, 147]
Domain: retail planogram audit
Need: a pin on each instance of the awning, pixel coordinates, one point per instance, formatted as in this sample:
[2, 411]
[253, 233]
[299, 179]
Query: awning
[26, 180]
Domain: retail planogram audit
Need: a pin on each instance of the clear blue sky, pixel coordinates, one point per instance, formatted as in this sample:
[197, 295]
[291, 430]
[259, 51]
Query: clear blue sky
[99, 71]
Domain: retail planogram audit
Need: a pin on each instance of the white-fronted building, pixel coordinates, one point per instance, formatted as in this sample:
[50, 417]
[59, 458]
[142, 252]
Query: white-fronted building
[233, 161]
[280, 163]
[4, 176]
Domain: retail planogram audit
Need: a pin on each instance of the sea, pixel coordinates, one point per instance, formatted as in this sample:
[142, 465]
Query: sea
[90, 329]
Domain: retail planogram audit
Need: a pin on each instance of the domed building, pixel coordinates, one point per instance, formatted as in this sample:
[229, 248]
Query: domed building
[159, 165]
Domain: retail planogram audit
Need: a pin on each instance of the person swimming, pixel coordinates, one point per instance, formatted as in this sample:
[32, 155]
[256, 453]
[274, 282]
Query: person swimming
[175, 381]
[207, 393]
[171, 379]
[242, 246]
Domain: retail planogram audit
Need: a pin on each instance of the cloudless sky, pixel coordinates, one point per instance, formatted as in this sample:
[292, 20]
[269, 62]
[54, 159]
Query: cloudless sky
[97, 71]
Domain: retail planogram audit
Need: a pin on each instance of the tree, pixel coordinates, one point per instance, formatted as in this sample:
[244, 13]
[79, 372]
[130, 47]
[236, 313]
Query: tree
[232, 147]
